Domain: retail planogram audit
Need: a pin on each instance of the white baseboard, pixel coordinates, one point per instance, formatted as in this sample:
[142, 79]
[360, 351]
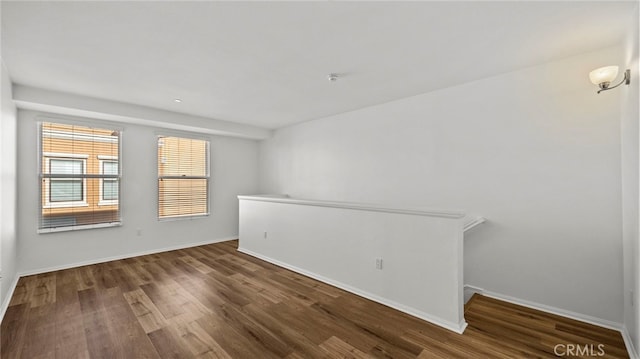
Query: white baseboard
[473, 289]
[7, 298]
[455, 327]
[5, 304]
[563, 313]
[633, 354]
[557, 311]
[469, 290]
[124, 256]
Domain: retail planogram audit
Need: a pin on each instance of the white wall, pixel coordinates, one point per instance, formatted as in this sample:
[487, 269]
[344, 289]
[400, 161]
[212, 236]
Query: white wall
[8, 154]
[536, 151]
[37, 99]
[630, 183]
[338, 243]
[233, 172]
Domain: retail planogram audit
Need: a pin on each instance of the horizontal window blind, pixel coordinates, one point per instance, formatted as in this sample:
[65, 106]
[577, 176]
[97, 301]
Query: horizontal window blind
[73, 180]
[183, 177]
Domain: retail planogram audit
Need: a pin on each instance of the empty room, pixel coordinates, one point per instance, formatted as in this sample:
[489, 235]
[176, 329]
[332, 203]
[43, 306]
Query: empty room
[319, 179]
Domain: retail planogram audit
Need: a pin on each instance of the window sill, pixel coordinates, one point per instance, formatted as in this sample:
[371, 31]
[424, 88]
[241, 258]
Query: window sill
[78, 228]
[182, 217]
[66, 205]
[107, 203]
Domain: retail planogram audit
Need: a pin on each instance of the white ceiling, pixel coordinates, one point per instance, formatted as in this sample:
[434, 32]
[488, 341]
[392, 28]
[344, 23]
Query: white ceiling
[265, 63]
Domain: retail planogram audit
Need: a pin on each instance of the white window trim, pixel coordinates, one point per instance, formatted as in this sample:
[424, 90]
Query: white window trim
[180, 217]
[91, 123]
[159, 143]
[47, 157]
[101, 160]
[80, 227]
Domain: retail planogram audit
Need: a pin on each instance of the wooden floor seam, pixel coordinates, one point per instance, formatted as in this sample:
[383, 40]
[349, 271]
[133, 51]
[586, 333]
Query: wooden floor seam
[212, 301]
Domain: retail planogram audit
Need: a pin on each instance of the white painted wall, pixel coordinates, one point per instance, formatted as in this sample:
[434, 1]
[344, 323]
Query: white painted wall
[631, 182]
[535, 151]
[8, 154]
[233, 171]
[339, 243]
[37, 99]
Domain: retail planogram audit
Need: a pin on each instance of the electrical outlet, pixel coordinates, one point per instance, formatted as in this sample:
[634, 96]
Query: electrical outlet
[379, 263]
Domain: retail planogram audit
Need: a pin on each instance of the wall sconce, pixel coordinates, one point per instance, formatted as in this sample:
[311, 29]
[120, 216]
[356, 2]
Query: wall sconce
[604, 75]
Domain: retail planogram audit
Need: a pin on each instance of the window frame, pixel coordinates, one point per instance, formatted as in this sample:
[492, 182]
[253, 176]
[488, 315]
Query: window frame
[40, 173]
[189, 136]
[48, 156]
[101, 161]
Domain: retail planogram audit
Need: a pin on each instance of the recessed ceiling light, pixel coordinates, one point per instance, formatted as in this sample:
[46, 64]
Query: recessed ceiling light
[177, 100]
[332, 77]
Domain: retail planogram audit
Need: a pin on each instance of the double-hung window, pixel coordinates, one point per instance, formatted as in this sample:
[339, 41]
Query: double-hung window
[183, 177]
[64, 188]
[79, 177]
[109, 186]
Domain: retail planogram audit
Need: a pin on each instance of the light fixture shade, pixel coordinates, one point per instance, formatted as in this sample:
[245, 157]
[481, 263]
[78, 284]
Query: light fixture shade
[603, 74]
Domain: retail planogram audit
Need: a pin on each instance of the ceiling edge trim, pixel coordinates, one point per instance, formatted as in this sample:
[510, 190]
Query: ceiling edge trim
[32, 98]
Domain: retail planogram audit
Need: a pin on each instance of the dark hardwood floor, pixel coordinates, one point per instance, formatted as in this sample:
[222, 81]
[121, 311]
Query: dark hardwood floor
[214, 302]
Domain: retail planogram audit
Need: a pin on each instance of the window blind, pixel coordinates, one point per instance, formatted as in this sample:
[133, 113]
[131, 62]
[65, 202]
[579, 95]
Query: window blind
[183, 177]
[72, 179]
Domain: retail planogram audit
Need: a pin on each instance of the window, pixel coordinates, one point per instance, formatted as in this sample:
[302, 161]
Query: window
[65, 191]
[108, 186]
[80, 177]
[183, 177]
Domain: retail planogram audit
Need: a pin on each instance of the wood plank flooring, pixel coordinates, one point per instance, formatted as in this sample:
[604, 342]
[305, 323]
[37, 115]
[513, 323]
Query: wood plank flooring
[214, 302]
